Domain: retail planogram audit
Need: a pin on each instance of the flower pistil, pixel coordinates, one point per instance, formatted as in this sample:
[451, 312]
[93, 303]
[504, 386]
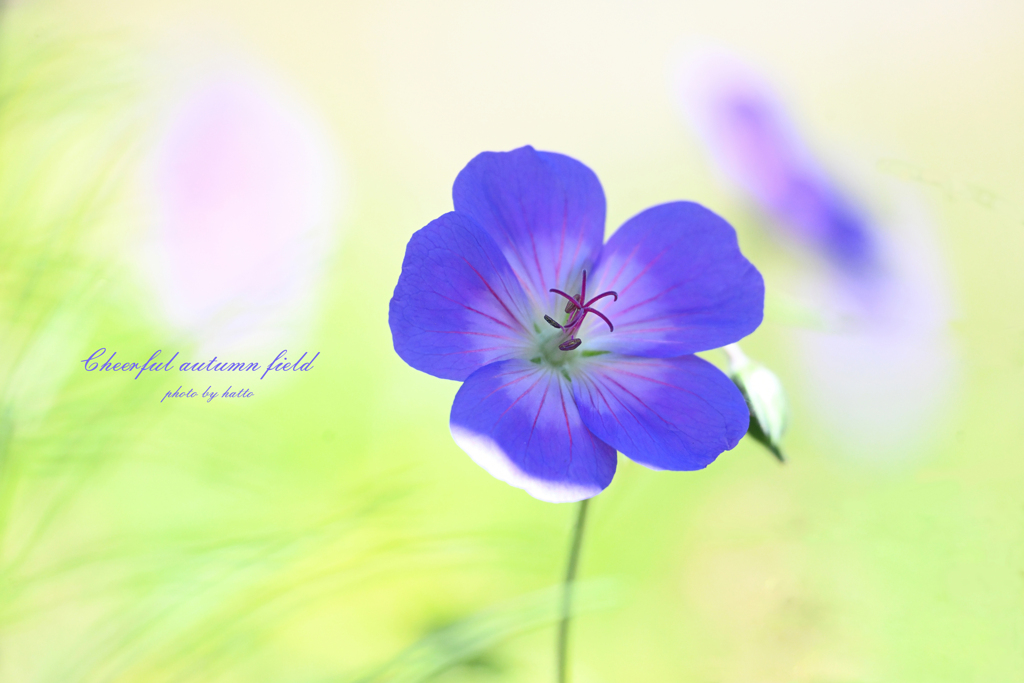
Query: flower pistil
[577, 308]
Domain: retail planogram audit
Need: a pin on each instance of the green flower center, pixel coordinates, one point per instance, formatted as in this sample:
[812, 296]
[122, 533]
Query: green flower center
[546, 351]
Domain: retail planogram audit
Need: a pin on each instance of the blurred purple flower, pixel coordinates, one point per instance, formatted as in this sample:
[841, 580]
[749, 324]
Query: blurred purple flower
[245, 197]
[757, 147]
[879, 362]
[570, 350]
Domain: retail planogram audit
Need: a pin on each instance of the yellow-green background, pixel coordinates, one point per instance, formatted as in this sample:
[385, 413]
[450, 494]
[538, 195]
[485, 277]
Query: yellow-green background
[312, 533]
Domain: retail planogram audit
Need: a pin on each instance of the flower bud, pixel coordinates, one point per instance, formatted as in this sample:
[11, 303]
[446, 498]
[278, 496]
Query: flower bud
[765, 398]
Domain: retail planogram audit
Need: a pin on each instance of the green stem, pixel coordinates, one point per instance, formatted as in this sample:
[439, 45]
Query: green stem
[570, 577]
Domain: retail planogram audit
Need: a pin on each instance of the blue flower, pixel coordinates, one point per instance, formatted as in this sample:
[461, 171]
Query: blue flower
[571, 350]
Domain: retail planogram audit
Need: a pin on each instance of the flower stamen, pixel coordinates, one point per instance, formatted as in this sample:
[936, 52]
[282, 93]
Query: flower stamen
[601, 296]
[572, 300]
[577, 308]
[599, 314]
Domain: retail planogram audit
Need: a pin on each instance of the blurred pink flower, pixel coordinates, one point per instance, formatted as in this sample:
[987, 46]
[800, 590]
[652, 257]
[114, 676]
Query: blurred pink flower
[245, 193]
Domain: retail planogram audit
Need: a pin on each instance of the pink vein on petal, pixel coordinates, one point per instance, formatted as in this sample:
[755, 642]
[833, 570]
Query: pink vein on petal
[565, 412]
[660, 294]
[478, 334]
[459, 353]
[528, 390]
[649, 329]
[486, 315]
[600, 393]
[506, 384]
[646, 268]
[638, 400]
[494, 294]
[533, 244]
[666, 384]
[625, 262]
[561, 240]
[579, 241]
[667, 316]
[535, 417]
[624, 406]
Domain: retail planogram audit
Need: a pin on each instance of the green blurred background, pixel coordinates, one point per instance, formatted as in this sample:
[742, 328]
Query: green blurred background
[328, 529]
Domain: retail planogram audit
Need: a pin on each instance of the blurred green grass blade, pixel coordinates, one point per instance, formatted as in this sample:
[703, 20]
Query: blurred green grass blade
[470, 638]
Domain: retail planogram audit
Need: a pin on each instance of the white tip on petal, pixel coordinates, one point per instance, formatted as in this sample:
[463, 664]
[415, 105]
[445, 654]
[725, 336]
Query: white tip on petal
[489, 455]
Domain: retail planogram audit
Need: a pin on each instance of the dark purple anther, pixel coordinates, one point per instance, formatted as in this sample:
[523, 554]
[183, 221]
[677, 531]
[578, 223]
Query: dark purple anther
[551, 322]
[570, 344]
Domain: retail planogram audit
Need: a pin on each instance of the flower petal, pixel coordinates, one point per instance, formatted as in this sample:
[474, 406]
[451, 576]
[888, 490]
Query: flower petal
[665, 413]
[457, 305]
[545, 211]
[519, 422]
[683, 285]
